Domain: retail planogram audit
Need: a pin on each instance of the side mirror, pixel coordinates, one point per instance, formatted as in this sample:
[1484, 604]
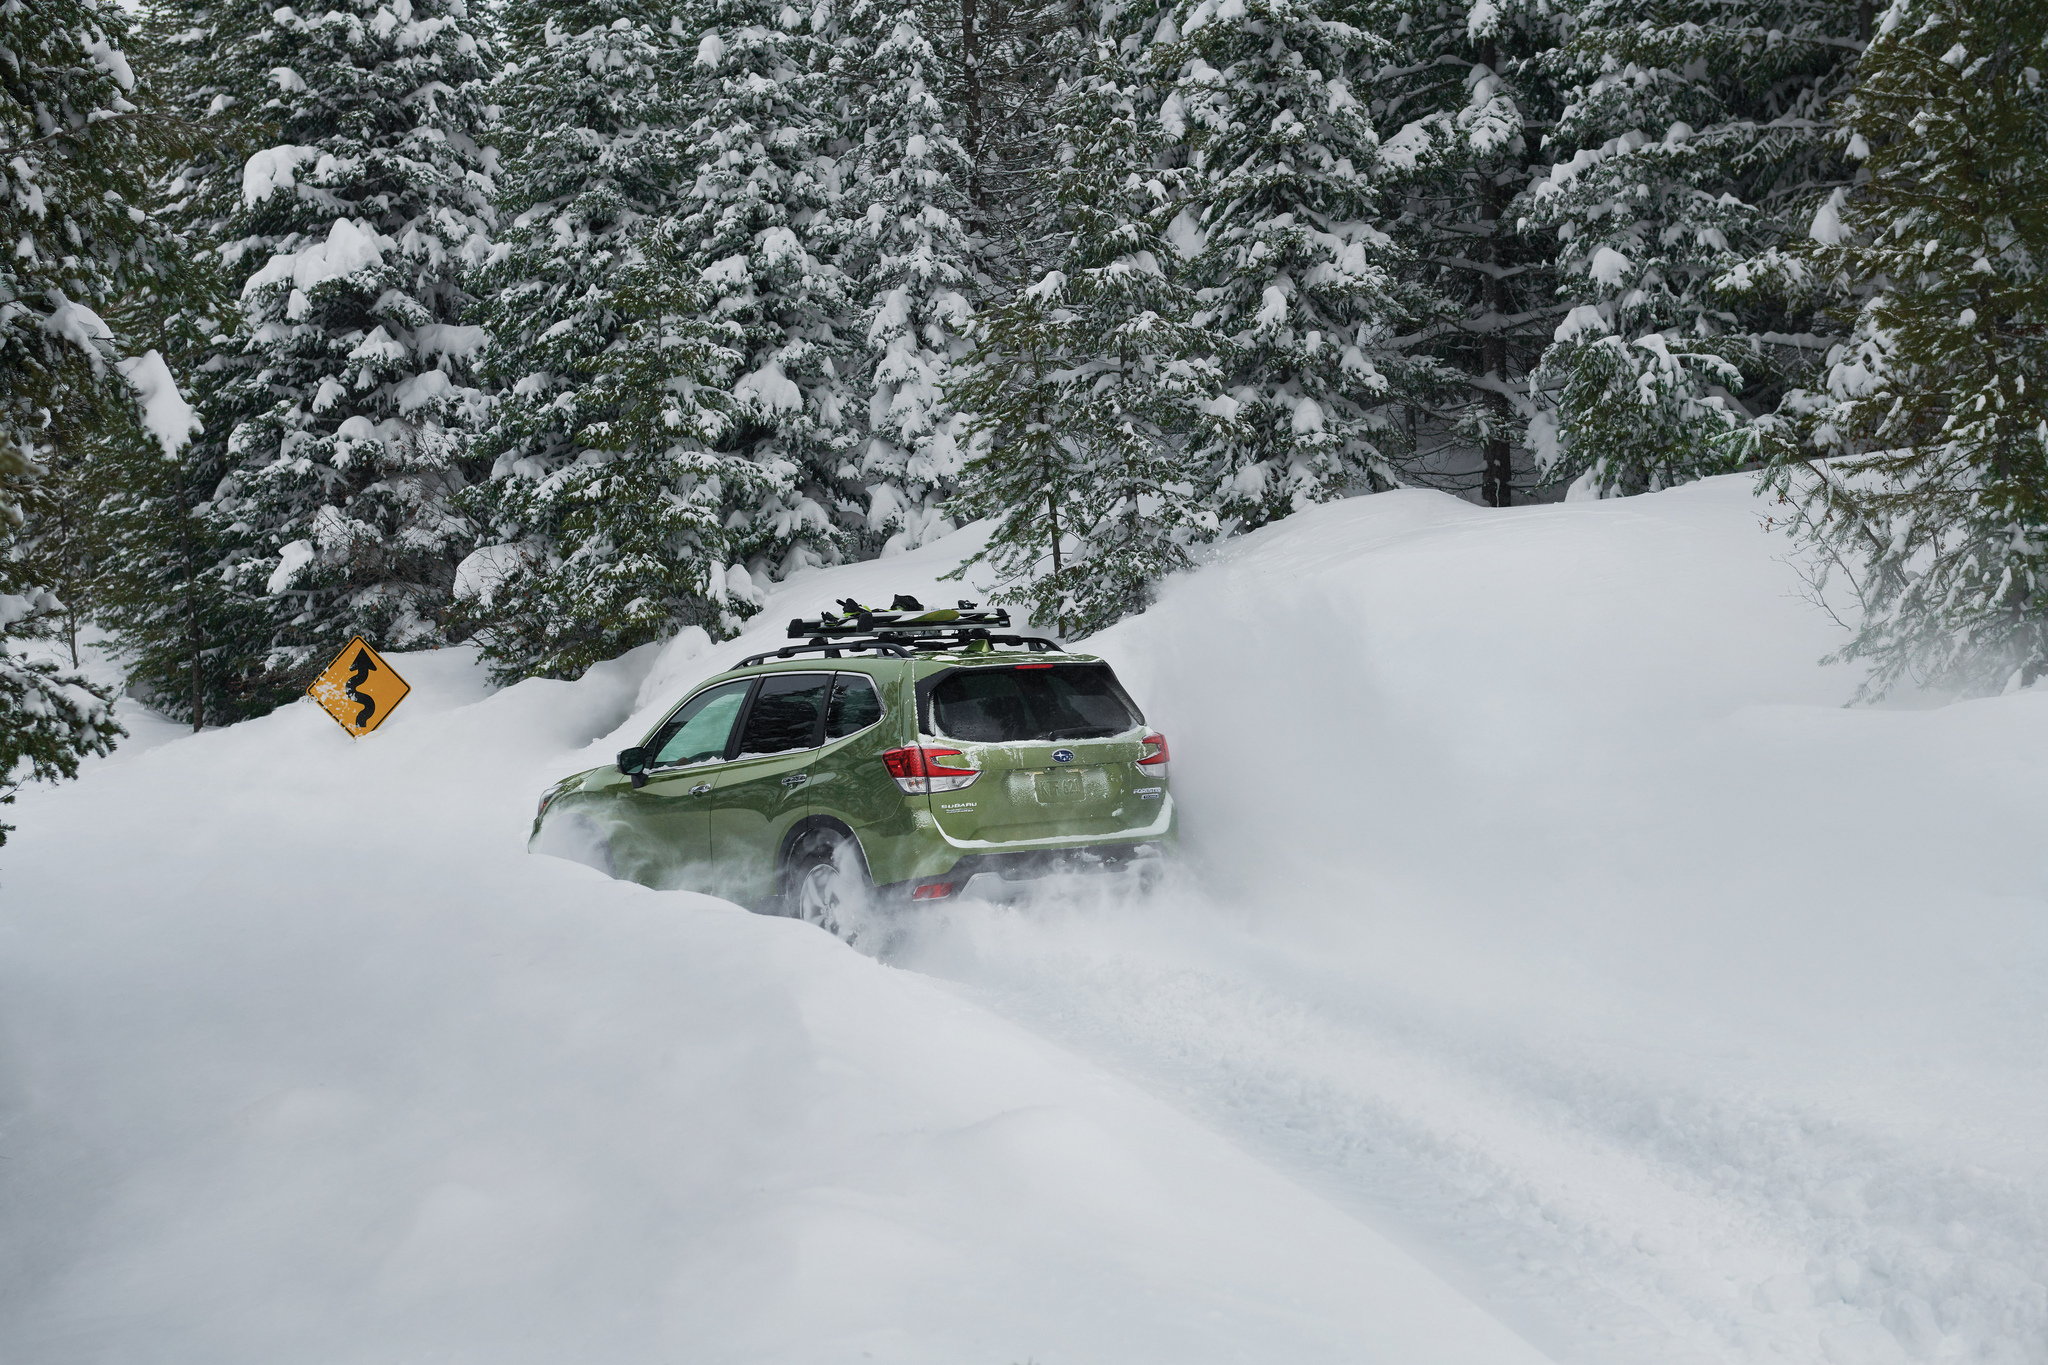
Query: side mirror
[633, 763]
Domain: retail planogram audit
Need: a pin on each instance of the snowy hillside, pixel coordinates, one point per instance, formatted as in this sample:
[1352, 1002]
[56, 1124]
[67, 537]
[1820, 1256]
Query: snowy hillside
[1559, 971]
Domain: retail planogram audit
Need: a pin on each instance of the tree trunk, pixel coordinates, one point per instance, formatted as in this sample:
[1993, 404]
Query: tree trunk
[970, 64]
[1052, 516]
[1052, 512]
[193, 639]
[1496, 479]
[1496, 485]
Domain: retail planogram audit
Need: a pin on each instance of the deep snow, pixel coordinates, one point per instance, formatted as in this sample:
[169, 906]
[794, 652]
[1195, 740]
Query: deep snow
[1545, 915]
[1554, 913]
[306, 1060]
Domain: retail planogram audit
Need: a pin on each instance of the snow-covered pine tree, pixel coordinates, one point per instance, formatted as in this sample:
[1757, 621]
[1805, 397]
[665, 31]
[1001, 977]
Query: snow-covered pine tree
[49, 720]
[910, 266]
[348, 236]
[1694, 149]
[1004, 63]
[757, 228]
[1462, 103]
[1087, 388]
[73, 152]
[1920, 468]
[1280, 221]
[191, 644]
[604, 512]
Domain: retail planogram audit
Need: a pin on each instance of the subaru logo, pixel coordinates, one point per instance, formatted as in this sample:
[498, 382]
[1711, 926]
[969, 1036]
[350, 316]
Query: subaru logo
[1063, 755]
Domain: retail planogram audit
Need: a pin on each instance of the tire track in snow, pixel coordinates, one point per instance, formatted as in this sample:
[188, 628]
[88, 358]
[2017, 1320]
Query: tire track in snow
[1608, 1212]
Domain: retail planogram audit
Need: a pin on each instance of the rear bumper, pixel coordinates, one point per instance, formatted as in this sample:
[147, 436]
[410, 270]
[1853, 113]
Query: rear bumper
[996, 873]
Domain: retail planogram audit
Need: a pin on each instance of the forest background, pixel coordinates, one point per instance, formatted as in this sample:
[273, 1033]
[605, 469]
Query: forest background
[560, 327]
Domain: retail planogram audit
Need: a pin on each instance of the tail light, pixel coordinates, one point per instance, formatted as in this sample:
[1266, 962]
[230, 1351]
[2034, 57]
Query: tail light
[931, 891]
[1154, 759]
[921, 770]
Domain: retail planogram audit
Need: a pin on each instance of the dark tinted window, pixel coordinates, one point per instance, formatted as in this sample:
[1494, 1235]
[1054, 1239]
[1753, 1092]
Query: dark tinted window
[700, 727]
[786, 713]
[1005, 705]
[854, 706]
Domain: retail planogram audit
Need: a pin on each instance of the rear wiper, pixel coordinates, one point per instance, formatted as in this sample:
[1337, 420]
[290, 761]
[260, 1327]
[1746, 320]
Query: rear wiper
[1083, 732]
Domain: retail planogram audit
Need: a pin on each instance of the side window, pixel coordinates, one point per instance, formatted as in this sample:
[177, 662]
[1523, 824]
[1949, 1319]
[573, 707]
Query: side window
[786, 714]
[701, 726]
[854, 705]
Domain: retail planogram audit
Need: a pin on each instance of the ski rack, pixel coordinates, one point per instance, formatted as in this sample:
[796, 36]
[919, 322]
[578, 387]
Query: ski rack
[904, 629]
[908, 617]
[908, 646]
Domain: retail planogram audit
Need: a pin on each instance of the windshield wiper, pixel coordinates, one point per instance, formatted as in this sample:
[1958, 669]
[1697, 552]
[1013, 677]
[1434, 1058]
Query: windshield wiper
[1083, 732]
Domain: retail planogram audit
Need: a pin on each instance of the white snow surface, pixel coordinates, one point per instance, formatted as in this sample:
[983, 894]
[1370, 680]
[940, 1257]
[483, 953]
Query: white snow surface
[272, 169]
[1557, 969]
[348, 247]
[165, 413]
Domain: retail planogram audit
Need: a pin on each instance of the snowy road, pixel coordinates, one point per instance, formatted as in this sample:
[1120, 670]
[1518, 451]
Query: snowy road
[1608, 1212]
[1558, 970]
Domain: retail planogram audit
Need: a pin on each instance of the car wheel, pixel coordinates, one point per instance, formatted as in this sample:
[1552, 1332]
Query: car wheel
[828, 884]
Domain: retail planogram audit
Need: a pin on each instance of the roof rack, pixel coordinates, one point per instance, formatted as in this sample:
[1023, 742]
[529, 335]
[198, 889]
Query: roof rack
[909, 646]
[903, 630]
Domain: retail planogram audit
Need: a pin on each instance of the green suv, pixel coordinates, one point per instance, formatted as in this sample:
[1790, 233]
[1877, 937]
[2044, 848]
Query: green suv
[911, 757]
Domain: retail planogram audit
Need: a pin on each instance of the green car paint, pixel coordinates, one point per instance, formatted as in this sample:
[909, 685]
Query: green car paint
[707, 815]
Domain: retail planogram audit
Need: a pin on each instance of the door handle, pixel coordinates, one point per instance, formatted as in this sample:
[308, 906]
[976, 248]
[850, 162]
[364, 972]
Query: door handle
[796, 779]
[700, 789]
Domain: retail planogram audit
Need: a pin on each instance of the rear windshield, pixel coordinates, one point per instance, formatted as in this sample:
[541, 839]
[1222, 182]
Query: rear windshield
[1049, 701]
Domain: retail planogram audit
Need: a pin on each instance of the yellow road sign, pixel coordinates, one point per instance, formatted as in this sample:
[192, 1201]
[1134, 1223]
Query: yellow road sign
[359, 689]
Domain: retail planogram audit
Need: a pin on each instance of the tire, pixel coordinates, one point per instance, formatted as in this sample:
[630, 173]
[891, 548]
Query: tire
[827, 884]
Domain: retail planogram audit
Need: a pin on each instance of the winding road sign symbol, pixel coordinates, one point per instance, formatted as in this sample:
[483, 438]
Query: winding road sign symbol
[359, 689]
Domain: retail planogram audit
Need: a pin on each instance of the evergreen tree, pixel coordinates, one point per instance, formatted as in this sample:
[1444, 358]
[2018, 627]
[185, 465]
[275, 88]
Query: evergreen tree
[341, 386]
[607, 500]
[193, 644]
[1920, 468]
[1089, 386]
[1463, 102]
[1279, 220]
[1694, 149]
[910, 265]
[757, 228]
[1005, 63]
[73, 145]
[49, 720]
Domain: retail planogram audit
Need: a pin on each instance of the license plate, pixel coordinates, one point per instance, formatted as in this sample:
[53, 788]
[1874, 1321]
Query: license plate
[1060, 787]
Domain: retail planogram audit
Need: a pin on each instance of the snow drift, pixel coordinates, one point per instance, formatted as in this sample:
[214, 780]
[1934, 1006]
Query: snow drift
[306, 1060]
[1548, 919]
[1555, 913]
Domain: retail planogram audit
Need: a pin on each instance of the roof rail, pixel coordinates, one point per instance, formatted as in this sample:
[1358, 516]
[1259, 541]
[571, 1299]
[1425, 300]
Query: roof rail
[829, 648]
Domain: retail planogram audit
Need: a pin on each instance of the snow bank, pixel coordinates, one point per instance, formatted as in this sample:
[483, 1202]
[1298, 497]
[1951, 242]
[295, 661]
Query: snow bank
[1552, 912]
[1547, 913]
[307, 1060]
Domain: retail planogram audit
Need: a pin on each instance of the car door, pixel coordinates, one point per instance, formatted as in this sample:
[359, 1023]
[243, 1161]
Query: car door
[668, 840]
[760, 793]
[848, 779]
